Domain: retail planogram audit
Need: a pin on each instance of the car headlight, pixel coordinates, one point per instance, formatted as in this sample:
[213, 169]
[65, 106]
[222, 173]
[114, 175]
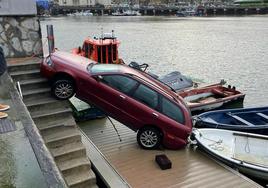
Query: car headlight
[49, 61]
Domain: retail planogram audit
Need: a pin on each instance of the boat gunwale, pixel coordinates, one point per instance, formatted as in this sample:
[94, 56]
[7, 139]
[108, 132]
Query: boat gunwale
[200, 119]
[230, 160]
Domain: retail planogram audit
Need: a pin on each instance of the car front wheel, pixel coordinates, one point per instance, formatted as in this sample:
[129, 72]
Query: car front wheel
[149, 138]
[63, 89]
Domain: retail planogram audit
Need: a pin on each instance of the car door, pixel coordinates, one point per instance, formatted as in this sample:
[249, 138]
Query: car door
[112, 96]
[142, 104]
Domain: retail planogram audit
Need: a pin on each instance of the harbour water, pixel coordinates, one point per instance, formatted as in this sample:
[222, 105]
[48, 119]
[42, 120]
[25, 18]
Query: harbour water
[208, 49]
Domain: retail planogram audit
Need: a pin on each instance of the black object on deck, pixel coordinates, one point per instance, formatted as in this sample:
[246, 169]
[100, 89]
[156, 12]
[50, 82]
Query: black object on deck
[163, 161]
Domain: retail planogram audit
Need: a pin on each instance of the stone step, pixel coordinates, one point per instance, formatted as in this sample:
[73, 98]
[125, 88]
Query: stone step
[33, 84]
[83, 178]
[47, 106]
[57, 123]
[68, 151]
[41, 100]
[35, 94]
[74, 165]
[26, 65]
[25, 75]
[62, 136]
[48, 115]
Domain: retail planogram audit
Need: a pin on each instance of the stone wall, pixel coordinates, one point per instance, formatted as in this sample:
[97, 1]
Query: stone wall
[20, 36]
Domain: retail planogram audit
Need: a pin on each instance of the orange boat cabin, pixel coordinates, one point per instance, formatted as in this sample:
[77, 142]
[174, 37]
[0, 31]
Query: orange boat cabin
[101, 50]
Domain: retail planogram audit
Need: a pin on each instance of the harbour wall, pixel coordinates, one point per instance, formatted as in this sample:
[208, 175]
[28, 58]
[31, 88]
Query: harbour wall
[20, 36]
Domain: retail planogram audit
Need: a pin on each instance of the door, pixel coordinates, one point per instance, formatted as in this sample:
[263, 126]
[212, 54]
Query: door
[112, 95]
[142, 105]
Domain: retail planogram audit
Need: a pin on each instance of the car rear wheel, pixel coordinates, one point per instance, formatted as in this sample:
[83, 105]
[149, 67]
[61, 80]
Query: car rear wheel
[63, 89]
[149, 138]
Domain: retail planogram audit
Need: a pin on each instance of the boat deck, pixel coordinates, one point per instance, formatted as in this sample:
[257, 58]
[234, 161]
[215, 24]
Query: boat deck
[190, 168]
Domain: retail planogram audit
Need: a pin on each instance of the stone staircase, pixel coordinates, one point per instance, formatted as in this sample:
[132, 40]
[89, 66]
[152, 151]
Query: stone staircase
[54, 120]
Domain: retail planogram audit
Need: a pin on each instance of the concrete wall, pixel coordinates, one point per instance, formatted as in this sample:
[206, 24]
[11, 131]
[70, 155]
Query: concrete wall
[17, 7]
[20, 36]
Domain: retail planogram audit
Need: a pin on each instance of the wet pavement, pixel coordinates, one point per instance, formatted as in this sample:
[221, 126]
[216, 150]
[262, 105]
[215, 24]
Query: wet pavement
[18, 164]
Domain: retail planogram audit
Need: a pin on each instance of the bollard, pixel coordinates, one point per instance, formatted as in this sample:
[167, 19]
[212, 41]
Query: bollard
[50, 38]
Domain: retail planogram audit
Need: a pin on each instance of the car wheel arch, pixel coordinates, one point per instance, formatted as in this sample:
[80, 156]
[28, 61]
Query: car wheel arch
[61, 76]
[153, 126]
[144, 129]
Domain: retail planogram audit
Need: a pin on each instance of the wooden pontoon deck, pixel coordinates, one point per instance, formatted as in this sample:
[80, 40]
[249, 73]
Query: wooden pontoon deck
[190, 168]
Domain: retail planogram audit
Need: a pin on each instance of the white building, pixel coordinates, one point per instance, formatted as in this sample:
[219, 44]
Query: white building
[82, 2]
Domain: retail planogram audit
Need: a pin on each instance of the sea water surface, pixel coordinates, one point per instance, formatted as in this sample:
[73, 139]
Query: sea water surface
[205, 48]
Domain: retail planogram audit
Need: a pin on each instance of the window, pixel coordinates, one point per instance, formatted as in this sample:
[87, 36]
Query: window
[90, 47]
[85, 48]
[172, 111]
[97, 68]
[146, 96]
[114, 52]
[121, 83]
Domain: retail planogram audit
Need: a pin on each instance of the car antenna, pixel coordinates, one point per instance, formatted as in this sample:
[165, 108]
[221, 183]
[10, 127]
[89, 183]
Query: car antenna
[115, 129]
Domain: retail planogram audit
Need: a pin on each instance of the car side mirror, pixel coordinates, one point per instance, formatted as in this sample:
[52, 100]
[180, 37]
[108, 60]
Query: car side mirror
[98, 77]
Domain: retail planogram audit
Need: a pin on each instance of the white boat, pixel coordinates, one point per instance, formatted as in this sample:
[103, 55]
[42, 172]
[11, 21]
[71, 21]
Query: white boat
[85, 13]
[244, 151]
[127, 13]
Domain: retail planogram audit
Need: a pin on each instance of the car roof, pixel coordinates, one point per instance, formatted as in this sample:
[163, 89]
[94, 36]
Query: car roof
[74, 58]
[124, 69]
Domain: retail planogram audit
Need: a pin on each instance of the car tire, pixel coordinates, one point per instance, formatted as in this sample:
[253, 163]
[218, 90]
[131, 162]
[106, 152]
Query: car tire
[149, 138]
[63, 89]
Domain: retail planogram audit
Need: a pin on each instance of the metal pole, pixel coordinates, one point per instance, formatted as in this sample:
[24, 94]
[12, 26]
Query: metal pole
[50, 38]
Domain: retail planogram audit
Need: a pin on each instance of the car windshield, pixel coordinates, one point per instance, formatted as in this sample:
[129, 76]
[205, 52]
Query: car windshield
[96, 68]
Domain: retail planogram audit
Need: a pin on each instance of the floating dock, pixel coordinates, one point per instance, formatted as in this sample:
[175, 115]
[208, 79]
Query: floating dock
[190, 167]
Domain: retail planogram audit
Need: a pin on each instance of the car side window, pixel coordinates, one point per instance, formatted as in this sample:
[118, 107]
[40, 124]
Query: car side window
[172, 111]
[146, 95]
[121, 83]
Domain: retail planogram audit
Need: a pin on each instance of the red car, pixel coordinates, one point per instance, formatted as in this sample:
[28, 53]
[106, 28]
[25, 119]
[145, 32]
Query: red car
[128, 95]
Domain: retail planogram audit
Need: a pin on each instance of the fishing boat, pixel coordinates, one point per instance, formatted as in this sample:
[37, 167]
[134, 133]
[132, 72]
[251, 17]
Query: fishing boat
[83, 111]
[246, 152]
[83, 13]
[254, 120]
[212, 97]
[174, 80]
[102, 49]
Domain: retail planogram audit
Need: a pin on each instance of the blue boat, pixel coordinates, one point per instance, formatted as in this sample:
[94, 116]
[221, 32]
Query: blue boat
[252, 120]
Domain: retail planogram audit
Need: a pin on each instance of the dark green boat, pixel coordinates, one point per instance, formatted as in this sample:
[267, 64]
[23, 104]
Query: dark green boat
[83, 111]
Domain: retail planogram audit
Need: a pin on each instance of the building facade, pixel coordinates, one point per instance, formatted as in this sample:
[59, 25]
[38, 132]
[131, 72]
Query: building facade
[82, 3]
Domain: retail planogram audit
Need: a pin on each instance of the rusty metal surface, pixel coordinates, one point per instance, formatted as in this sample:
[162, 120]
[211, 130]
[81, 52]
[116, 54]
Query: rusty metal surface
[190, 168]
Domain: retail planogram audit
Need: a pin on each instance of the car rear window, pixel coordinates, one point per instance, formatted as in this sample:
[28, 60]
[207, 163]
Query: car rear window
[96, 68]
[172, 111]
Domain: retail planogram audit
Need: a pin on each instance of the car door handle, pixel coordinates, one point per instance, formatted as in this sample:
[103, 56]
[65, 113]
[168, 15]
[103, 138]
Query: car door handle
[122, 96]
[155, 114]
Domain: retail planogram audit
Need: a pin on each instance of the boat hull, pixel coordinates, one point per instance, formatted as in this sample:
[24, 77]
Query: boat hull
[212, 97]
[222, 119]
[256, 171]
